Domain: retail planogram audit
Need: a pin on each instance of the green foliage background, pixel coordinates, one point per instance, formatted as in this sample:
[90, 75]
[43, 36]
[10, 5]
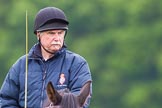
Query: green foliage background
[121, 40]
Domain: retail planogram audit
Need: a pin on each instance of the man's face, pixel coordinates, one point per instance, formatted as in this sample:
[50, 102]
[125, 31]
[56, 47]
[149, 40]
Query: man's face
[52, 40]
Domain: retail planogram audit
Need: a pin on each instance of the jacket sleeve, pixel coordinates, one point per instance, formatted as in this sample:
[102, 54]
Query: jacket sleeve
[9, 91]
[79, 75]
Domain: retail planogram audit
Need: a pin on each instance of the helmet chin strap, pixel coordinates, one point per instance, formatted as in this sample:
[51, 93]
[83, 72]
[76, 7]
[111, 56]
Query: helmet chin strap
[45, 48]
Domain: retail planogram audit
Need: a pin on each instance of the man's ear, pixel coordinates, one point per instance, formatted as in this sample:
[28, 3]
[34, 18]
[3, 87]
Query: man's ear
[38, 35]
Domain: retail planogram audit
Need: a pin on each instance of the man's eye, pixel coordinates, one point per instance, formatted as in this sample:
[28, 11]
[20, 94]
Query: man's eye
[51, 33]
[60, 32]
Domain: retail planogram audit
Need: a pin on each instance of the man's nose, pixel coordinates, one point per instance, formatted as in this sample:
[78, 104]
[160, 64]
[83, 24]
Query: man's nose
[56, 37]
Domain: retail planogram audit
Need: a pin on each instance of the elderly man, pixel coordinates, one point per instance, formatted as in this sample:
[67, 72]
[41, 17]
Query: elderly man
[48, 60]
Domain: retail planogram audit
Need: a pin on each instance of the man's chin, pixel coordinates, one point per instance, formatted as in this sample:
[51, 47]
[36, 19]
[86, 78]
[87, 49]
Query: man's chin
[55, 50]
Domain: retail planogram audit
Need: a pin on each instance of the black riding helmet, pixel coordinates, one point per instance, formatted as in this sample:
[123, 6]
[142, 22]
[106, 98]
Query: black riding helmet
[50, 18]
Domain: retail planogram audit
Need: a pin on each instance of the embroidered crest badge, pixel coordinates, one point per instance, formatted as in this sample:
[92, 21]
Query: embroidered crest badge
[62, 79]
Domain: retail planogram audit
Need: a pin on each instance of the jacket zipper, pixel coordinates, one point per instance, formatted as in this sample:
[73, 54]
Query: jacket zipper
[43, 86]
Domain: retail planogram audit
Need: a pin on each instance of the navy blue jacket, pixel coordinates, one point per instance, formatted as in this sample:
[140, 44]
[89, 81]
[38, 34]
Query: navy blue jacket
[73, 67]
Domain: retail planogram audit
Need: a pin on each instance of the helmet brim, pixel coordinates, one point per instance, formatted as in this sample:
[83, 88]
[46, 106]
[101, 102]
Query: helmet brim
[53, 26]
